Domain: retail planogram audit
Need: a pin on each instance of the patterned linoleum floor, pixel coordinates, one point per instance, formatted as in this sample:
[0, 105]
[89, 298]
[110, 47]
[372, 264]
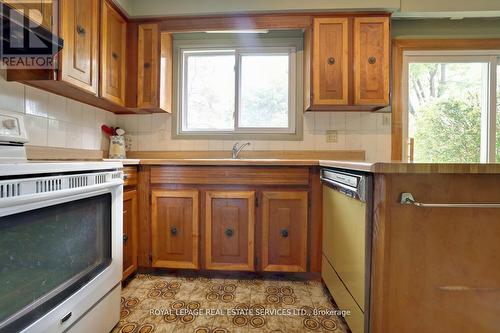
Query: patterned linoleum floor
[176, 303]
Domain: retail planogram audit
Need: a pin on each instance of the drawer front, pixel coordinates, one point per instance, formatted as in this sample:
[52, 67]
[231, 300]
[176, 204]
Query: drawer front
[129, 175]
[342, 297]
[225, 175]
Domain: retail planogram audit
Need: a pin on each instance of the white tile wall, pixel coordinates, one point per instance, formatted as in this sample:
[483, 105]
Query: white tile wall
[365, 131]
[56, 121]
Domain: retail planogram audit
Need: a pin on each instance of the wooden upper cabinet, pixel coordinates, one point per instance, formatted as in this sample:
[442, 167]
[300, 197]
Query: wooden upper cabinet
[347, 63]
[330, 61]
[174, 228]
[229, 230]
[371, 60]
[130, 230]
[113, 42]
[284, 231]
[79, 22]
[147, 66]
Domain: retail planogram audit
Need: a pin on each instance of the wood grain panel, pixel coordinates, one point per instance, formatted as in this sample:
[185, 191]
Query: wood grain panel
[143, 189]
[129, 175]
[229, 175]
[371, 60]
[439, 261]
[79, 21]
[166, 72]
[113, 41]
[130, 233]
[229, 230]
[284, 234]
[330, 61]
[174, 228]
[147, 66]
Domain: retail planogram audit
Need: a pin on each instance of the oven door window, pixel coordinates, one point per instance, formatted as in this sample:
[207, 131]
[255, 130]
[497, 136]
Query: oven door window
[49, 253]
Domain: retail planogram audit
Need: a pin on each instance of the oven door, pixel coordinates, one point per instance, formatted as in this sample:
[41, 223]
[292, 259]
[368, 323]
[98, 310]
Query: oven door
[60, 253]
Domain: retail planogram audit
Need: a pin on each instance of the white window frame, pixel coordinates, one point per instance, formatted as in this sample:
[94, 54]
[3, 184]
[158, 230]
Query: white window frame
[488, 114]
[239, 52]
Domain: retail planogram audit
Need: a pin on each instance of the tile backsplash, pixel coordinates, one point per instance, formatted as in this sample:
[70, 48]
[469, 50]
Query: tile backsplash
[370, 132]
[55, 121]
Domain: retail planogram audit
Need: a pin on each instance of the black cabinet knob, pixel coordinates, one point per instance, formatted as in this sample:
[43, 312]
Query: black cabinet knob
[372, 60]
[80, 30]
[331, 61]
[114, 55]
[284, 233]
[125, 237]
[229, 232]
[173, 231]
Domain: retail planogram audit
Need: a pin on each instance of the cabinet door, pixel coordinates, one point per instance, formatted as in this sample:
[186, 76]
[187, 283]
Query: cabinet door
[79, 29]
[330, 61]
[371, 60]
[129, 233]
[147, 66]
[113, 39]
[229, 230]
[284, 234]
[174, 228]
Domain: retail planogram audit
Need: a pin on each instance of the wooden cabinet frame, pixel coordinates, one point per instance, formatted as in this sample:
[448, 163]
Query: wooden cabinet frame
[193, 194]
[267, 196]
[132, 195]
[250, 196]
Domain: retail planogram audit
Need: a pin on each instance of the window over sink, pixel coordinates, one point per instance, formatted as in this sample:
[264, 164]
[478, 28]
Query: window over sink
[238, 85]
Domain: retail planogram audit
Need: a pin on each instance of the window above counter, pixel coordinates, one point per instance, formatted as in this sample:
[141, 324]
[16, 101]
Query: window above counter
[238, 84]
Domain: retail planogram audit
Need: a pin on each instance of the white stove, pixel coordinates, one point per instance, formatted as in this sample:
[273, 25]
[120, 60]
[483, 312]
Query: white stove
[60, 241]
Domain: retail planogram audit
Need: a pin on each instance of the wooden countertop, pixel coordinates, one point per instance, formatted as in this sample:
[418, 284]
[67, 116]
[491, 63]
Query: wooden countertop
[400, 167]
[230, 161]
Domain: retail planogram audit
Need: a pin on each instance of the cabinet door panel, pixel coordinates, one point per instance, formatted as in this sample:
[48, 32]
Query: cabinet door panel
[371, 60]
[129, 233]
[174, 220]
[79, 29]
[229, 239]
[147, 70]
[113, 41]
[330, 61]
[284, 224]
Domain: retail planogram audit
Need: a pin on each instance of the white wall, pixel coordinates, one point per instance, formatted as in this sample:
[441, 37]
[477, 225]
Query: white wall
[356, 131]
[56, 121]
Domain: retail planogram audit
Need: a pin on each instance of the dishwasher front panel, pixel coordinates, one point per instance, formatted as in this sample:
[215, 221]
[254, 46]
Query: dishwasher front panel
[344, 240]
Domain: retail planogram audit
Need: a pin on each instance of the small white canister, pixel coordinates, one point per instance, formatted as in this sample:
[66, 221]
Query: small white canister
[117, 147]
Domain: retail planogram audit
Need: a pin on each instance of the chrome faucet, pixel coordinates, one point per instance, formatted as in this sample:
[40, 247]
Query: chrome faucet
[237, 148]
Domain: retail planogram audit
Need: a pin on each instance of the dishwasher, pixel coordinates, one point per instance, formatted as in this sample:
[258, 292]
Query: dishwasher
[346, 252]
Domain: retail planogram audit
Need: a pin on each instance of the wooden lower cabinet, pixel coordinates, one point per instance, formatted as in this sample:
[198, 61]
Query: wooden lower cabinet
[229, 230]
[130, 219]
[284, 231]
[174, 222]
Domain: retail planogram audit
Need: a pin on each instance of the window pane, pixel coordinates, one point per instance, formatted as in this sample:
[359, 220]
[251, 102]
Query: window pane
[498, 113]
[209, 92]
[444, 110]
[264, 91]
